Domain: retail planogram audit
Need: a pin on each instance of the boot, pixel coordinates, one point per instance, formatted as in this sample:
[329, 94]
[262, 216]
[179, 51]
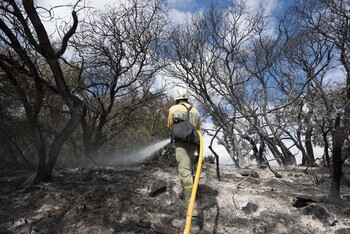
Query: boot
[181, 223]
[195, 228]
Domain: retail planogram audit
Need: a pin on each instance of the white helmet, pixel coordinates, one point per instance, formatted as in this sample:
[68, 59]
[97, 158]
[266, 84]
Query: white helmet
[181, 93]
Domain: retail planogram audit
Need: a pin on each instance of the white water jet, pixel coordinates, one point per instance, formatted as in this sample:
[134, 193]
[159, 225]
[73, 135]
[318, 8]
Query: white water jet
[140, 154]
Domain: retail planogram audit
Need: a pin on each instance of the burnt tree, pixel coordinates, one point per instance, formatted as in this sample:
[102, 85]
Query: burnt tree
[26, 48]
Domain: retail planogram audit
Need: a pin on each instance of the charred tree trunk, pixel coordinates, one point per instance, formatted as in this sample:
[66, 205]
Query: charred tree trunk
[277, 155]
[92, 134]
[285, 157]
[255, 149]
[261, 158]
[308, 144]
[288, 157]
[301, 148]
[41, 170]
[338, 141]
[326, 145]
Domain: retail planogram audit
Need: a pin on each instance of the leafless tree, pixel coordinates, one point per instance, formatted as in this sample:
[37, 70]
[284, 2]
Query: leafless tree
[26, 43]
[331, 19]
[309, 56]
[119, 50]
[224, 56]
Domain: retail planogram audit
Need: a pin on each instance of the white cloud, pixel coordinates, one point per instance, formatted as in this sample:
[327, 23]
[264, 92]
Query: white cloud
[101, 4]
[270, 8]
[336, 75]
[179, 17]
[224, 157]
[269, 5]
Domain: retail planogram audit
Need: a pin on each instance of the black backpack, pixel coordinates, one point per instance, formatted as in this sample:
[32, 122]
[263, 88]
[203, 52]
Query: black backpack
[184, 131]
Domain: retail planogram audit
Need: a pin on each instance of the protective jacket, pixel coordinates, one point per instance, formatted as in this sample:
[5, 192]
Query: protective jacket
[179, 112]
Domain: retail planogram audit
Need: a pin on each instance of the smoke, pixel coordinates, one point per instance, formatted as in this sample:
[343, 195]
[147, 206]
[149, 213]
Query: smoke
[138, 155]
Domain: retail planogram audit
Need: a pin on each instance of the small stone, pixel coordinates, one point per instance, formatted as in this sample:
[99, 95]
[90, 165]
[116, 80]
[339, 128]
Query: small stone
[250, 208]
[158, 188]
[317, 212]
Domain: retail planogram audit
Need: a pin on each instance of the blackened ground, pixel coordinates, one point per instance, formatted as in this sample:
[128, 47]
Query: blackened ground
[146, 198]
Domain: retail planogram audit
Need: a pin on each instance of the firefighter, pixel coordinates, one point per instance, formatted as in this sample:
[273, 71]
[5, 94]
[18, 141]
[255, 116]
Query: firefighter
[185, 152]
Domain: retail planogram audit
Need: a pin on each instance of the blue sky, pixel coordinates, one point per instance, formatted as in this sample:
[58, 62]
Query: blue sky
[193, 5]
[180, 10]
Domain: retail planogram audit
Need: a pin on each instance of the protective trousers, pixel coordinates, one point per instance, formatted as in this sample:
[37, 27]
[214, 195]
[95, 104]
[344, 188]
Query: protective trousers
[185, 157]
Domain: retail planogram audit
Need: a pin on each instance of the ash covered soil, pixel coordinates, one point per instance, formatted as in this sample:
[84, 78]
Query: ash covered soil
[146, 198]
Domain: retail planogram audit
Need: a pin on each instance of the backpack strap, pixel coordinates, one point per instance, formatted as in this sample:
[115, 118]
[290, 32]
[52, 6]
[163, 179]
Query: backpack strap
[188, 111]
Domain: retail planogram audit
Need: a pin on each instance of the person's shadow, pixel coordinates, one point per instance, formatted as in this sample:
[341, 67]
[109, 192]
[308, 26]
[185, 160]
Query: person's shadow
[207, 199]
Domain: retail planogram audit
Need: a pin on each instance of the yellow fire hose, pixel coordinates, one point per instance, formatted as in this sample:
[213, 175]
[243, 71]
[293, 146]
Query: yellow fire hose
[195, 186]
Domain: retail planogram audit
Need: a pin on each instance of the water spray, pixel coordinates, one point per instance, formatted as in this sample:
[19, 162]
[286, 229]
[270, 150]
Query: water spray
[140, 154]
